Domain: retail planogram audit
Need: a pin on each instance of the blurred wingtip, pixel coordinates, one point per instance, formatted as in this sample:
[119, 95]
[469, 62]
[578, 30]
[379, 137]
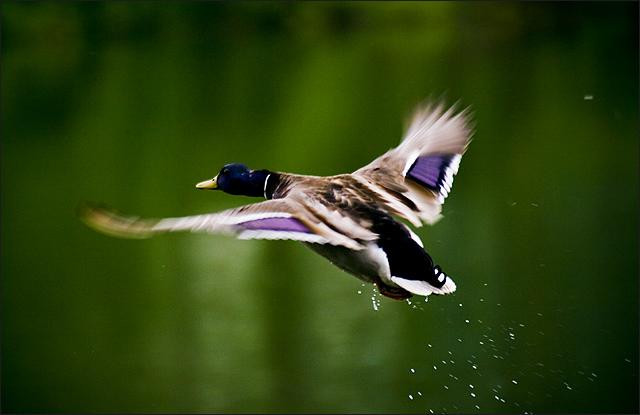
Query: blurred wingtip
[85, 209]
[106, 220]
[438, 106]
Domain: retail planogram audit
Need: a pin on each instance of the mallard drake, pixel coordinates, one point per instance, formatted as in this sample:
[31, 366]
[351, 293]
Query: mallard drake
[350, 219]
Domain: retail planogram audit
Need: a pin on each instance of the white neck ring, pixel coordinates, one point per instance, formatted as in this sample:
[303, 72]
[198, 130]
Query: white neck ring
[266, 181]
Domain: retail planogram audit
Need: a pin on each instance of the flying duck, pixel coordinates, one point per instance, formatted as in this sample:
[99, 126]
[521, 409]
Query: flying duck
[350, 219]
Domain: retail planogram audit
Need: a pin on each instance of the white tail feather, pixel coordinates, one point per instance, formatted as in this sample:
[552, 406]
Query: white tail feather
[424, 288]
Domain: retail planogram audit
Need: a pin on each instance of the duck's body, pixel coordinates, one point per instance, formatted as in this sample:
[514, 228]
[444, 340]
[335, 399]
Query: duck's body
[396, 251]
[348, 218]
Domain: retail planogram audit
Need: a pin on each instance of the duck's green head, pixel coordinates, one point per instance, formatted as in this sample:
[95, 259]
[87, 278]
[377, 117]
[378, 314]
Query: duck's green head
[237, 179]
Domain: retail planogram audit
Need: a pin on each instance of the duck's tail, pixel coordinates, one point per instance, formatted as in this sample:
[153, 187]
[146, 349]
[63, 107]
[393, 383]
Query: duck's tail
[440, 284]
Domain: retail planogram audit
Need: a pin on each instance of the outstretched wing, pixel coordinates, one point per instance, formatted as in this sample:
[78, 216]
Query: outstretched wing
[414, 179]
[272, 219]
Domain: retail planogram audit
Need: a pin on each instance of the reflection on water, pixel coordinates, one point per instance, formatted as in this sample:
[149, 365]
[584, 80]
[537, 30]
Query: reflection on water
[132, 103]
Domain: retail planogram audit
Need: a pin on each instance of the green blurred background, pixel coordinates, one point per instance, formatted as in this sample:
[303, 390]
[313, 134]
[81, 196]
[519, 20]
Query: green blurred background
[132, 103]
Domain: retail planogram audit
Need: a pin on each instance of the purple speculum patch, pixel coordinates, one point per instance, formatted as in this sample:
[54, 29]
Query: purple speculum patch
[276, 224]
[430, 170]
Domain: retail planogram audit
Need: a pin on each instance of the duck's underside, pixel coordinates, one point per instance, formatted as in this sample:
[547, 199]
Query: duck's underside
[394, 260]
[367, 265]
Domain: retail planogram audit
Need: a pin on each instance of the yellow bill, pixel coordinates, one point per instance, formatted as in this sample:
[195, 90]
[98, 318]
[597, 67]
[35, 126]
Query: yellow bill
[208, 184]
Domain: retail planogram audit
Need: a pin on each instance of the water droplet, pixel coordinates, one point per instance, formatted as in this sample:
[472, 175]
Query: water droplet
[435, 367]
[419, 393]
[412, 370]
[588, 97]
[466, 321]
[359, 291]
[460, 305]
[515, 382]
[410, 396]
[477, 407]
[474, 367]
[429, 344]
[534, 204]
[446, 387]
[460, 340]
[594, 375]
[473, 395]
[627, 360]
